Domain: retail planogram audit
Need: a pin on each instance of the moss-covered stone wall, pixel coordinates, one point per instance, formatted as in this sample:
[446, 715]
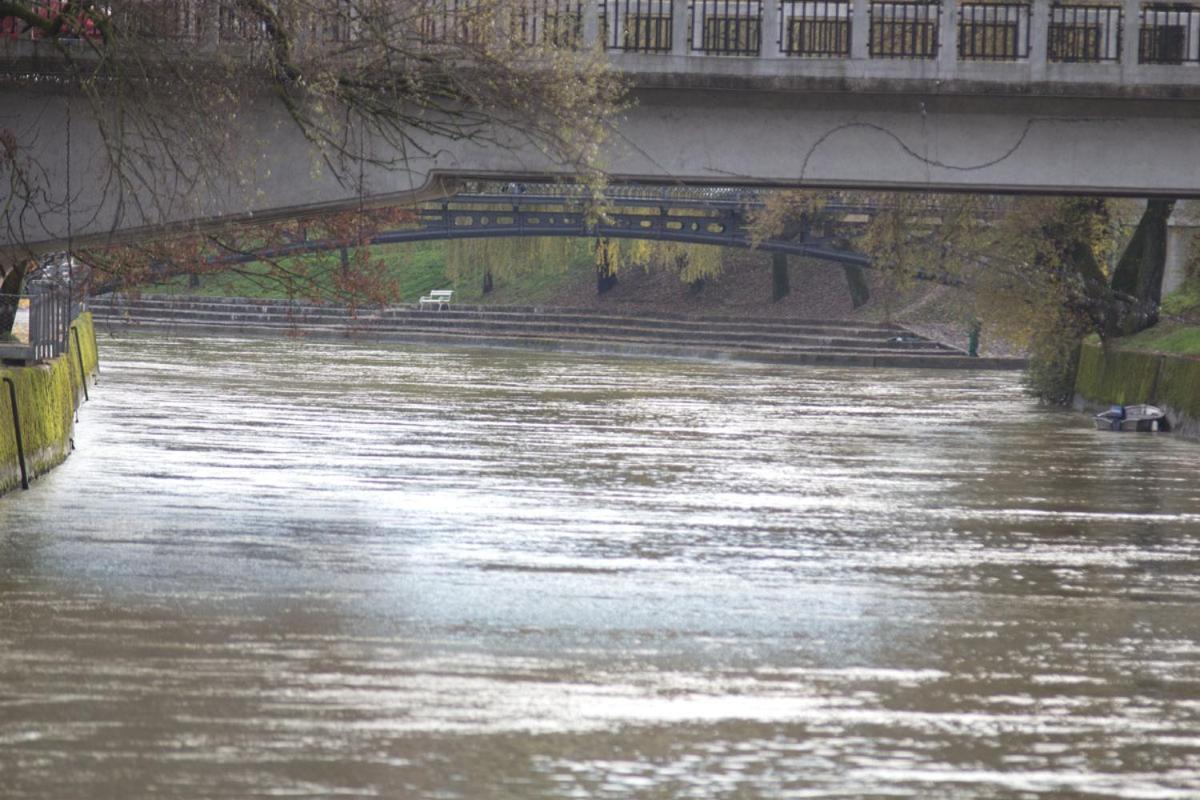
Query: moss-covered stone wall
[47, 395]
[1130, 376]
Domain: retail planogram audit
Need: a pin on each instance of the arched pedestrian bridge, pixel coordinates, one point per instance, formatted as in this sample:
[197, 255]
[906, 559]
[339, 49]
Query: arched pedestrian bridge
[715, 220]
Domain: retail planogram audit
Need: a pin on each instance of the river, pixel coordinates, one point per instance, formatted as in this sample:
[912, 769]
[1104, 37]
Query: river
[277, 568]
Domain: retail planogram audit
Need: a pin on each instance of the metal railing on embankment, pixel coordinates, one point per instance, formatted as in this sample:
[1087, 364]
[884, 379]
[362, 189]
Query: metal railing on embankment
[41, 320]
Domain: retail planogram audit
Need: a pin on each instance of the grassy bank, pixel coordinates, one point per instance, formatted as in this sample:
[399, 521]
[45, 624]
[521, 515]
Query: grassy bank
[1178, 332]
[414, 269]
[743, 288]
[46, 398]
[1179, 338]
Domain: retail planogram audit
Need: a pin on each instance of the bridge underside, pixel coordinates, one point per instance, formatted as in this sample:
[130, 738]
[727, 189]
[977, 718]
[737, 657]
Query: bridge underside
[672, 135]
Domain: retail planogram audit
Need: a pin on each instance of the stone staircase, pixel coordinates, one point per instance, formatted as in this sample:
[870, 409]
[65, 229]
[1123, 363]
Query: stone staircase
[830, 342]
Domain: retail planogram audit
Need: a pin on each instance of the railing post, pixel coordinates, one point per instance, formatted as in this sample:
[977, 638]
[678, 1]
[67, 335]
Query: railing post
[208, 24]
[681, 37]
[591, 24]
[1039, 34]
[770, 45]
[860, 29]
[1131, 30]
[947, 56]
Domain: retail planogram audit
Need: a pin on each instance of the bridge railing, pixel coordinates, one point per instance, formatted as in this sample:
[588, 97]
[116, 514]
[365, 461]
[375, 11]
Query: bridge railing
[550, 22]
[1084, 34]
[815, 28]
[726, 27]
[993, 31]
[1169, 34]
[637, 26]
[904, 29]
[795, 34]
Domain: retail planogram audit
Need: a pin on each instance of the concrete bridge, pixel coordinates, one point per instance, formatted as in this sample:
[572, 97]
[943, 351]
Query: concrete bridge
[950, 95]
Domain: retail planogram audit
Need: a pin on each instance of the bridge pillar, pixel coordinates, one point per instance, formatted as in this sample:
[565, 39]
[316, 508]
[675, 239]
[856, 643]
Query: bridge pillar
[1182, 230]
[860, 29]
[1131, 26]
[1039, 34]
[947, 57]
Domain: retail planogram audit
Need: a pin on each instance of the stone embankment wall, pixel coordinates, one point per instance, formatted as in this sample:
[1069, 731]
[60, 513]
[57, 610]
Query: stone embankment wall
[1130, 377]
[47, 395]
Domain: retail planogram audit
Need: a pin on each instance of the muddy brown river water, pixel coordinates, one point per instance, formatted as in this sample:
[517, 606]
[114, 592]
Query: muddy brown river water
[288, 569]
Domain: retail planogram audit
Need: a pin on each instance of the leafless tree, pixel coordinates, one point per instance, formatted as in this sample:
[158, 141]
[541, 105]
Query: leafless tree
[165, 90]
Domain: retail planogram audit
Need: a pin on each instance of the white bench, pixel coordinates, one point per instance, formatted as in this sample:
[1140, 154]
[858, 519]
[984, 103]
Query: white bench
[438, 297]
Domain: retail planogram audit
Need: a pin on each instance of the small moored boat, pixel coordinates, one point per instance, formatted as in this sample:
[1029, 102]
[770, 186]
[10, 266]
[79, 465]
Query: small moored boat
[1132, 418]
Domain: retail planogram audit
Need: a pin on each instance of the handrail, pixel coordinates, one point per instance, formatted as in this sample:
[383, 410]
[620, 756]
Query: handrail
[16, 415]
[1026, 31]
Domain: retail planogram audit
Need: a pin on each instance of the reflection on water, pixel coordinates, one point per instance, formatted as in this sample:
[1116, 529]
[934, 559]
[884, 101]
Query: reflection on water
[336, 570]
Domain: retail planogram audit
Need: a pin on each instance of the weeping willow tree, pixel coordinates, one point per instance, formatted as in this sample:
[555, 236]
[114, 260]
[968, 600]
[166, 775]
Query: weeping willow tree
[789, 216]
[693, 263]
[483, 262]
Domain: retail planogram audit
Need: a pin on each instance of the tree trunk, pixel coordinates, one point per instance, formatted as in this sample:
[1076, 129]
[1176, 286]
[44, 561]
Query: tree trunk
[605, 280]
[856, 281]
[606, 276]
[10, 296]
[780, 286]
[345, 263]
[488, 282]
[1112, 309]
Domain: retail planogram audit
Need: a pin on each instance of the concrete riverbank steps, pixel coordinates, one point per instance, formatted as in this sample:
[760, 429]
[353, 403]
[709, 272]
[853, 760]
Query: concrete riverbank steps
[640, 333]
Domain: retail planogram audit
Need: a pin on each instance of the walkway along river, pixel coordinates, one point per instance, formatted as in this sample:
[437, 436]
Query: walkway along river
[324, 570]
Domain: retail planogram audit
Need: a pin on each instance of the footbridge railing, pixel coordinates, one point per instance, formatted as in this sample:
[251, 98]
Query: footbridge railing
[970, 39]
[505, 216]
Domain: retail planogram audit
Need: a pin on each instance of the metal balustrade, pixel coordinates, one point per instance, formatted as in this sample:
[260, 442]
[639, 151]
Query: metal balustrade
[636, 26]
[1084, 34]
[453, 21]
[1169, 34]
[172, 20]
[337, 24]
[557, 23]
[993, 31]
[726, 27]
[1079, 32]
[816, 28]
[49, 320]
[903, 29]
[235, 26]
